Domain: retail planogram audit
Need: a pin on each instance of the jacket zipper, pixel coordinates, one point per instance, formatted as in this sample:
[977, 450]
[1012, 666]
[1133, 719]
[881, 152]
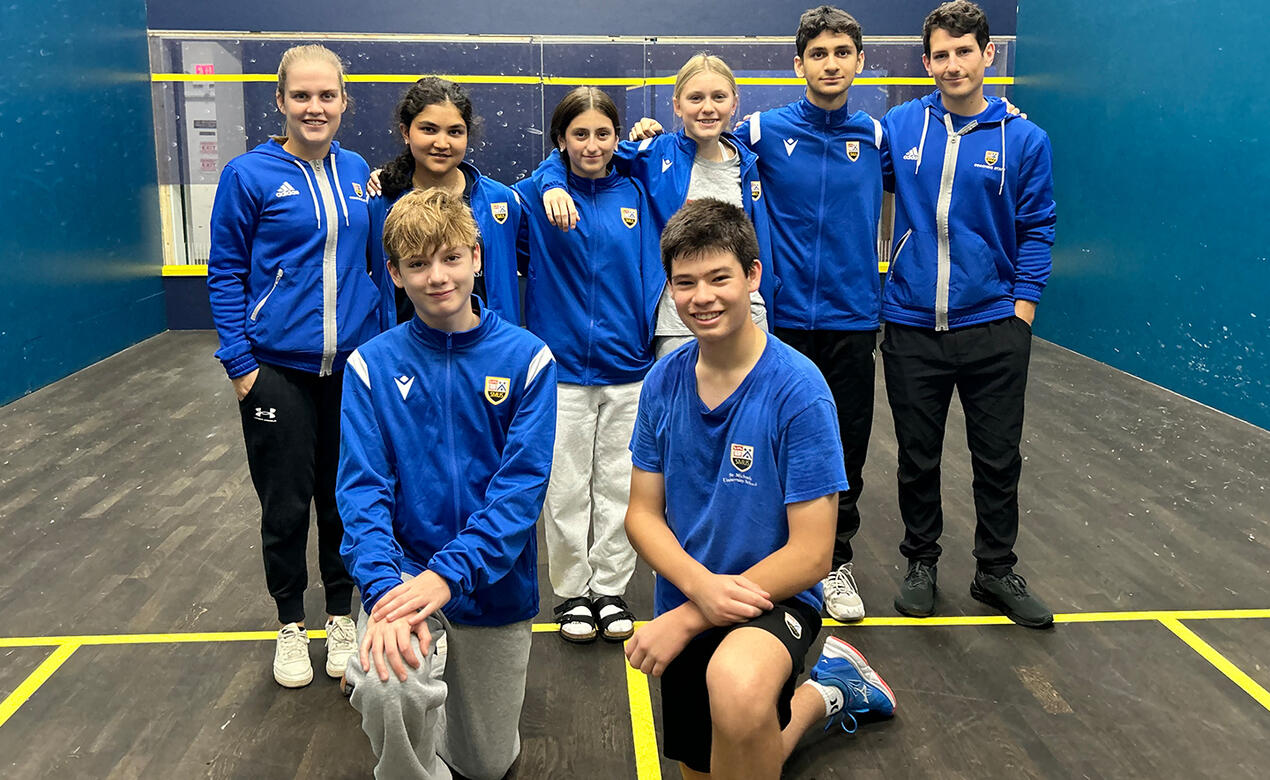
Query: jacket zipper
[256, 311]
[449, 427]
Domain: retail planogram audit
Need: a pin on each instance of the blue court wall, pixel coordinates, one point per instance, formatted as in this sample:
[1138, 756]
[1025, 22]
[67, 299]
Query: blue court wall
[1158, 116]
[80, 253]
[557, 17]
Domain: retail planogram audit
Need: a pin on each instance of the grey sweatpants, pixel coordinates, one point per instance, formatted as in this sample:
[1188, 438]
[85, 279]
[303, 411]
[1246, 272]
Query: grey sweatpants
[461, 706]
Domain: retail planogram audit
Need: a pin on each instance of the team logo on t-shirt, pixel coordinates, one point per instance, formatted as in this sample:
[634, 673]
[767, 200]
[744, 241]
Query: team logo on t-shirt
[497, 388]
[991, 157]
[629, 217]
[853, 150]
[499, 211]
[756, 189]
[742, 456]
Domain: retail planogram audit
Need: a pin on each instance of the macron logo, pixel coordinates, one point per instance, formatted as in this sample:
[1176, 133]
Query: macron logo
[404, 384]
[911, 154]
[286, 190]
[790, 143]
[665, 163]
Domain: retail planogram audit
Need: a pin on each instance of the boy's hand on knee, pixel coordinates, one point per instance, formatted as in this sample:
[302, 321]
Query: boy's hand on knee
[387, 646]
[656, 643]
[413, 600]
[725, 599]
[560, 208]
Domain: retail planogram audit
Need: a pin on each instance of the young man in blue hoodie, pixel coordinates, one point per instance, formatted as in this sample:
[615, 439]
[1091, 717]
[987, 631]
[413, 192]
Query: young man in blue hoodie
[974, 226]
[734, 491]
[448, 425]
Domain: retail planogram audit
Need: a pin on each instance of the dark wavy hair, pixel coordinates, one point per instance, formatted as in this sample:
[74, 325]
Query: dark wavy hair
[957, 18]
[826, 18]
[398, 173]
[708, 225]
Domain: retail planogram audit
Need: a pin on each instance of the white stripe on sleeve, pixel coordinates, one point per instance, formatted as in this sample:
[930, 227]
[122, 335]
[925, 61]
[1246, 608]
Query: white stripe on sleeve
[540, 361]
[358, 364]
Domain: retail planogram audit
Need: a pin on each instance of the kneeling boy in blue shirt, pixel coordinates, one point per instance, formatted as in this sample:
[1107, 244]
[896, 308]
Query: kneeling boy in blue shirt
[734, 490]
[448, 424]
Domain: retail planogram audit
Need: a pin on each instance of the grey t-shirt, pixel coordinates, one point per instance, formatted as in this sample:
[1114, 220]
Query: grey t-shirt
[721, 181]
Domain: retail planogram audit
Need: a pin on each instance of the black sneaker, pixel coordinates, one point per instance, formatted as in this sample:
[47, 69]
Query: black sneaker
[917, 594]
[1009, 594]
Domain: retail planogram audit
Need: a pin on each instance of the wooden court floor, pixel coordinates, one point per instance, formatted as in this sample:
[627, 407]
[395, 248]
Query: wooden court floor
[135, 630]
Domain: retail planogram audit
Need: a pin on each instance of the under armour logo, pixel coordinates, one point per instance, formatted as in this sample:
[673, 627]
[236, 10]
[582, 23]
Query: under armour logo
[790, 143]
[665, 163]
[404, 385]
[269, 415]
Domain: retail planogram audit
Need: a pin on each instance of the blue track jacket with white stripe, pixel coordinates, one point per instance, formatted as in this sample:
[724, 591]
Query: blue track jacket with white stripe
[498, 218]
[288, 276]
[663, 166]
[445, 452]
[593, 291]
[974, 214]
[822, 177]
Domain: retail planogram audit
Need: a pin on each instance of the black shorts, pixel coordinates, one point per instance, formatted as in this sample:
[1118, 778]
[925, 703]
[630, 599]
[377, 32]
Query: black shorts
[685, 700]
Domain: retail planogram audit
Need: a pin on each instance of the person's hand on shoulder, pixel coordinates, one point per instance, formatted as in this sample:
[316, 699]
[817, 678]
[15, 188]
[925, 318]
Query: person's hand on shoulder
[373, 187]
[560, 208]
[645, 128]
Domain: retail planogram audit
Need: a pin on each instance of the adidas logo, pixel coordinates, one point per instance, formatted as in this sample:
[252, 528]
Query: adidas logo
[790, 143]
[286, 190]
[911, 154]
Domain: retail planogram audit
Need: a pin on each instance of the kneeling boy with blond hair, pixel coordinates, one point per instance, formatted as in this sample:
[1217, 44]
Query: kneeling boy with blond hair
[448, 425]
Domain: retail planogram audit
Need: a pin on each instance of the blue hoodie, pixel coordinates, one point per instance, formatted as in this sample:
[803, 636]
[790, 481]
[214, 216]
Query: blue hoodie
[593, 292]
[445, 452]
[822, 173]
[663, 165]
[288, 271]
[974, 214]
[498, 218]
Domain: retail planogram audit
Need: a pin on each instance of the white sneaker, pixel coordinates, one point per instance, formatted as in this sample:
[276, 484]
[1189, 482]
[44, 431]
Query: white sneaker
[842, 599]
[291, 667]
[341, 643]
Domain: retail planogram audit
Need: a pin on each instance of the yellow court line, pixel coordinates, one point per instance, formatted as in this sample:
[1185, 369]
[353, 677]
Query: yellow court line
[647, 760]
[34, 680]
[633, 82]
[548, 628]
[1236, 675]
[185, 269]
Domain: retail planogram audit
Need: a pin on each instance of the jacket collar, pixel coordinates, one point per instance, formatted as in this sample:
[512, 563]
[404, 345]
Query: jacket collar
[440, 340]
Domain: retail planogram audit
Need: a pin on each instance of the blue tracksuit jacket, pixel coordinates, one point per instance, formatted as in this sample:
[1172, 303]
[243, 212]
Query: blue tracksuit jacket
[663, 166]
[445, 453]
[498, 217]
[974, 214]
[592, 292]
[287, 276]
[822, 177]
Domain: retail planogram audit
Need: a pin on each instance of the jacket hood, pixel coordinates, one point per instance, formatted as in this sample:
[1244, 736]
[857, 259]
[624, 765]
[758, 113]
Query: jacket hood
[273, 148]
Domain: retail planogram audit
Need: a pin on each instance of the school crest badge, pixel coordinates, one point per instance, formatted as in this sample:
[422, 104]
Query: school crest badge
[853, 150]
[357, 189]
[991, 157]
[498, 211]
[742, 457]
[497, 389]
[756, 189]
[629, 217]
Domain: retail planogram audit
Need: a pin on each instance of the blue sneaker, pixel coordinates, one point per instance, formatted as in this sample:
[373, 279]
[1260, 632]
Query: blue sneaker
[844, 668]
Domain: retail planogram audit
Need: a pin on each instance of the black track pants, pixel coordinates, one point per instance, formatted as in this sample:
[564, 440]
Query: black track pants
[987, 365]
[291, 423]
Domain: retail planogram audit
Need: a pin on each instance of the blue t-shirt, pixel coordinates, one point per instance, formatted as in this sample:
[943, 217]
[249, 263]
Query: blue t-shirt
[730, 471]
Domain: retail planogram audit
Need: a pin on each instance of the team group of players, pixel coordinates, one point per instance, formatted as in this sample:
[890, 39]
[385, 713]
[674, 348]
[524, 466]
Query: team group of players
[693, 384]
